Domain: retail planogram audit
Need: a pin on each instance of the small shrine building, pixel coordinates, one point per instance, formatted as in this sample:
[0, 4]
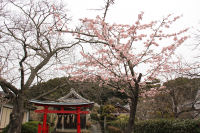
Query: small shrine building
[71, 112]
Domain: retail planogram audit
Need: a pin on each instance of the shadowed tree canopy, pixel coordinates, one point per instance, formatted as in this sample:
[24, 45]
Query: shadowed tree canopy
[180, 100]
[58, 87]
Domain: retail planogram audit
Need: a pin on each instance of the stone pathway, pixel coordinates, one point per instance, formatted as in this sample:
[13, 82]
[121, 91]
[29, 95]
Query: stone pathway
[96, 128]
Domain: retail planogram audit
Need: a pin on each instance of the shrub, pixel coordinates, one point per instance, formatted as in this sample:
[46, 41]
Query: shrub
[168, 126]
[94, 116]
[159, 126]
[121, 122]
[28, 127]
[107, 111]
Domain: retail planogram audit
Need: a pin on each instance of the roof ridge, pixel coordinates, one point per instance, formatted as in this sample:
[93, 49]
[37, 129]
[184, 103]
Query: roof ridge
[72, 91]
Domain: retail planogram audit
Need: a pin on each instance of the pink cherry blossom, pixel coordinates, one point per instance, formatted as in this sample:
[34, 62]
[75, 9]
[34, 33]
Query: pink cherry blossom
[126, 56]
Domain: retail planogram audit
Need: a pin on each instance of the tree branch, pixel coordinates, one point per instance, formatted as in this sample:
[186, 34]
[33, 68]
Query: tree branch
[108, 3]
[4, 83]
[22, 67]
[50, 91]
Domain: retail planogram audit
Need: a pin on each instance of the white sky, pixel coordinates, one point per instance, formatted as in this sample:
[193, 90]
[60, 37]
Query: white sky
[126, 11]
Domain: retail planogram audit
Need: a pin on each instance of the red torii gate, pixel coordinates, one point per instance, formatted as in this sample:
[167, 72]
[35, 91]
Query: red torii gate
[61, 105]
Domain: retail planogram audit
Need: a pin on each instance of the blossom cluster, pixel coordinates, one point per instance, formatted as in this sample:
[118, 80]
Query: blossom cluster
[122, 50]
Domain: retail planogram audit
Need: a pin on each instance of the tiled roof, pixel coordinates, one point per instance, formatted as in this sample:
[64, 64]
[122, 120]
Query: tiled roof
[126, 107]
[71, 99]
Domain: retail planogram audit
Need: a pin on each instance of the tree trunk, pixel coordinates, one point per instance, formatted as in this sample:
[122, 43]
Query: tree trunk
[16, 117]
[175, 103]
[132, 114]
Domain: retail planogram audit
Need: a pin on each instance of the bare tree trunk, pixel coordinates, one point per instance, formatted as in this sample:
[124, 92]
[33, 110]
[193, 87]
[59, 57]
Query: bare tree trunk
[175, 103]
[133, 108]
[16, 117]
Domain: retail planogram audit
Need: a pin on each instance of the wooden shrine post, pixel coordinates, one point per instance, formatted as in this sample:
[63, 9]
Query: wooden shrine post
[44, 129]
[78, 109]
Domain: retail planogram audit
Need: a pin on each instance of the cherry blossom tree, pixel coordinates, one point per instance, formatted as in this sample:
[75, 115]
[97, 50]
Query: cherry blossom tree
[126, 56]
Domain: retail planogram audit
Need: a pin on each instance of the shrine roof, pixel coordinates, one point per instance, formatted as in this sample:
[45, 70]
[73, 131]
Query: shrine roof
[126, 107]
[54, 103]
[71, 99]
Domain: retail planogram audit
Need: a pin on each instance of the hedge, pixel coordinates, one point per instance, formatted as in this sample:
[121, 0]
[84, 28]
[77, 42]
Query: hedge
[121, 122]
[168, 126]
[28, 127]
[161, 126]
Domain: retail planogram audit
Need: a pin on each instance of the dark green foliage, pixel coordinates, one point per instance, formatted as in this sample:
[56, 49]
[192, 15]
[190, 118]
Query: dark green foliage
[172, 101]
[168, 126]
[161, 126]
[89, 90]
[94, 116]
[107, 111]
[185, 88]
[121, 122]
[44, 87]
[29, 127]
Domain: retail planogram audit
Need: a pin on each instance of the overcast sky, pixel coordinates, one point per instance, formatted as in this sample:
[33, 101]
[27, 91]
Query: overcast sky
[126, 11]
